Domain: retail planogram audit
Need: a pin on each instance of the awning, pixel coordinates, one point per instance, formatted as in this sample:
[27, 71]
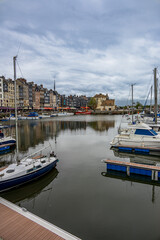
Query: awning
[85, 107]
[6, 108]
[48, 108]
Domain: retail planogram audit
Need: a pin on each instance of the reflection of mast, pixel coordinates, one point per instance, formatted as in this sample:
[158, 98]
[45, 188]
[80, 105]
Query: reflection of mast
[56, 135]
[55, 138]
[153, 193]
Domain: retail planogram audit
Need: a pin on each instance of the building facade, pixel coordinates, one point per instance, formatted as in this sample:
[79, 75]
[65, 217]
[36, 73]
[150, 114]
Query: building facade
[104, 103]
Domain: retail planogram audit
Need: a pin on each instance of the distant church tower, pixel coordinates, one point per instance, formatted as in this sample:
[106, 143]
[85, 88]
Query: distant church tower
[54, 85]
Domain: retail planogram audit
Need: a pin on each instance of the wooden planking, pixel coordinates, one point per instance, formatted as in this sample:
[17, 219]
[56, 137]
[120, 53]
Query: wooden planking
[15, 226]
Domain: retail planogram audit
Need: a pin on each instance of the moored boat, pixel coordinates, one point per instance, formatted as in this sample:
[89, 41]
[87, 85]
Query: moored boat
[6, 143]
[26, 170]
[138, 137]
[44, 116]
[29, 168]
[83, 112]
[64, 114]
[30, 116]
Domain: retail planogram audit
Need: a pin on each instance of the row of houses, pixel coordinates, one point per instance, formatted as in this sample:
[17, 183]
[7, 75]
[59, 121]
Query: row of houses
[33, 96]
[29, 94]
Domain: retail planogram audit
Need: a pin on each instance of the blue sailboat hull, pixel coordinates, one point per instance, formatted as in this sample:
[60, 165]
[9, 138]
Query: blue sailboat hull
[8, 142]
[17, 181]
[4, 148]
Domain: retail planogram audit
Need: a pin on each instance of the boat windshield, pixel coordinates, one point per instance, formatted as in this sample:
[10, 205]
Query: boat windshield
[146, 132]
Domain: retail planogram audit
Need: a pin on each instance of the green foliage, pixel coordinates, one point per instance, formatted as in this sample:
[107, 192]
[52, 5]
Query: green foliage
[138, 104]
[92, 103]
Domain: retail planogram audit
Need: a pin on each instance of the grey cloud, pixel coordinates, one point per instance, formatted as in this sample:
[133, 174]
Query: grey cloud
[88, 46]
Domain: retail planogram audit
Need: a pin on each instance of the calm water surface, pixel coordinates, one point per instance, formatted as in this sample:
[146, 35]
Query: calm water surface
[78, 196]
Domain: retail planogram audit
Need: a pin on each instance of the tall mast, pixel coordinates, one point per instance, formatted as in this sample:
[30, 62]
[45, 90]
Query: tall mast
[155, 94]
[15, 100]
[151, 100]
[132, 101]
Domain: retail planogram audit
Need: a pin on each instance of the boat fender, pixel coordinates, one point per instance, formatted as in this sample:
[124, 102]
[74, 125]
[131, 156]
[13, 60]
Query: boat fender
[24, 209]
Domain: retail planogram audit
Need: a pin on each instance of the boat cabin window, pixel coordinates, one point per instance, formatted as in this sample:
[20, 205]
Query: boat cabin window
[38, 166]
[30, 170]
[43, 161]
[10, 171]
[146, 132]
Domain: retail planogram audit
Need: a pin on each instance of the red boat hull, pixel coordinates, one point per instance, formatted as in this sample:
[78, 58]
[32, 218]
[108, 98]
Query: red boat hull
[83, 113]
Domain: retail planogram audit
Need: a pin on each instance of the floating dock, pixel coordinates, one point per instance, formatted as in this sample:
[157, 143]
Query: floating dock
[138, 150]
[153, 172]
[17, 223]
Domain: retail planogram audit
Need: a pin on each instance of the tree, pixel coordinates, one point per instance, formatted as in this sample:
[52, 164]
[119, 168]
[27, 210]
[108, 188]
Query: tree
[138, 105]
[92, 103]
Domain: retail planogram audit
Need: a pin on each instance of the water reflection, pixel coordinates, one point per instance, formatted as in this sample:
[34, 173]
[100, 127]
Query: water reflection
[80, 191]
[102, 125]
[30, 191]
[134, 178]
[33, 133]
[138, 158]
[134, 158]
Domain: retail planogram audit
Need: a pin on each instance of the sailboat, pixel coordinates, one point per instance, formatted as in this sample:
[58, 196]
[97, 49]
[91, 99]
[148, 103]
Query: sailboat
[29, 168]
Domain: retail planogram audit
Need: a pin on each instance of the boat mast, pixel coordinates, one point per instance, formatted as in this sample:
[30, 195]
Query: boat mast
[151, 100]
[15, 101]
[132, 101]
[155, 94]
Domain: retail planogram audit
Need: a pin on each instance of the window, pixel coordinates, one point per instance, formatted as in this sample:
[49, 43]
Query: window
[145, 132]
[10, 171]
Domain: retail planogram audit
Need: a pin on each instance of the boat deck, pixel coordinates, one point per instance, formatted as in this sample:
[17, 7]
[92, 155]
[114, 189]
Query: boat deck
[17, 223]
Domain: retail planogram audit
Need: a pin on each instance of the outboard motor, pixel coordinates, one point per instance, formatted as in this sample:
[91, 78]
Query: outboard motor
[52, 154]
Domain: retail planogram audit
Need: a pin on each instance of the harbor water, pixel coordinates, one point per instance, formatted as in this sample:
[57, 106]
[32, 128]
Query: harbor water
[78, 196]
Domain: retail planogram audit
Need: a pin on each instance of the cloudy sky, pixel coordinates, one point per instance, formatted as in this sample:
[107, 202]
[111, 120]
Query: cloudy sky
[88, 46]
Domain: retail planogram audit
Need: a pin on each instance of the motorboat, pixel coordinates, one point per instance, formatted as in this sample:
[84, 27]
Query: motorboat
[54, 115]
[137, 136]
[65, 114]
[27, 170]
[13, 118]
[44, 116]
[83, 112]
[30, 116]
